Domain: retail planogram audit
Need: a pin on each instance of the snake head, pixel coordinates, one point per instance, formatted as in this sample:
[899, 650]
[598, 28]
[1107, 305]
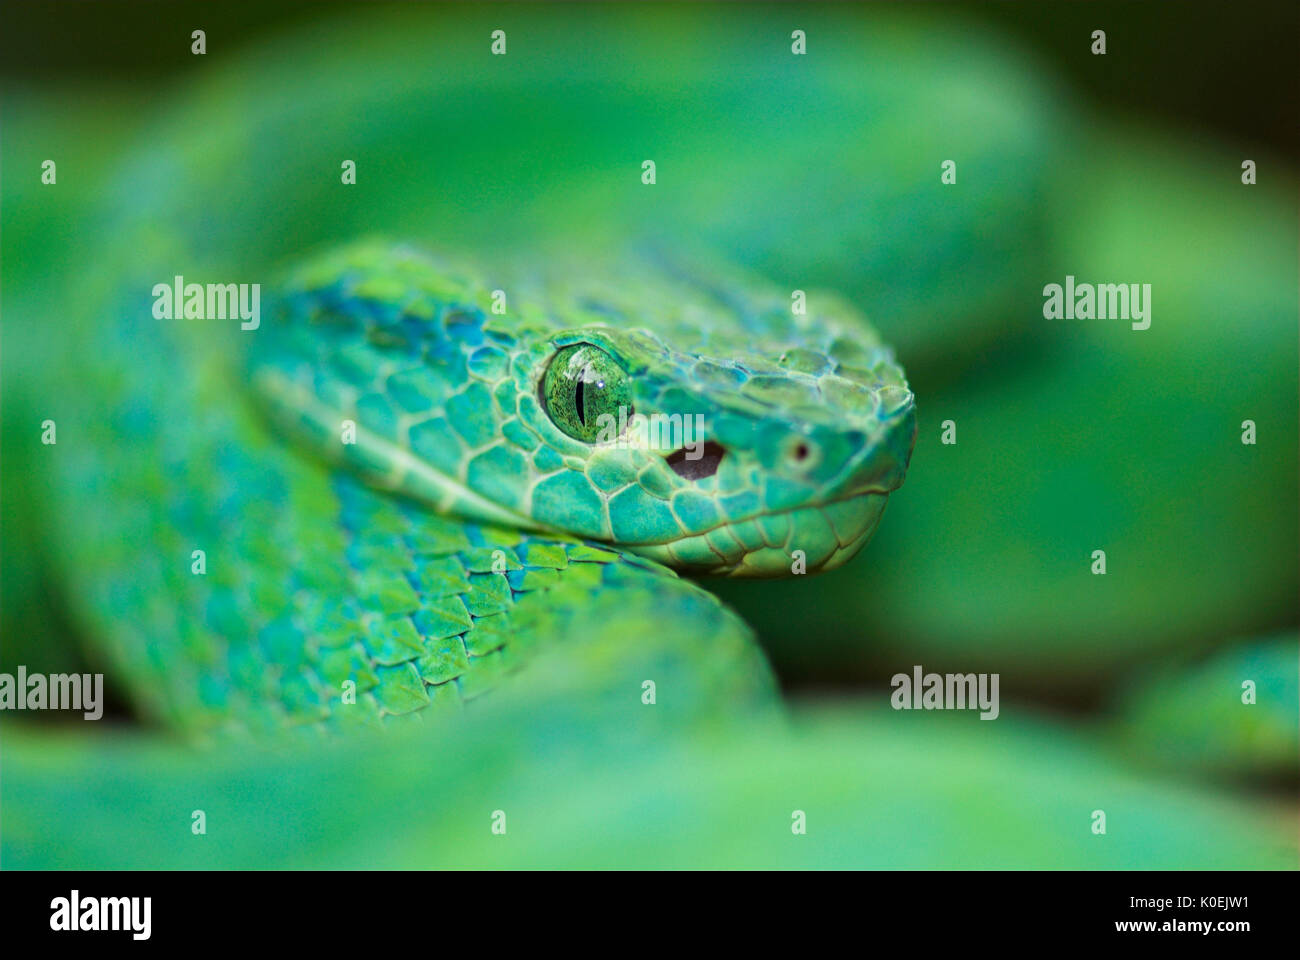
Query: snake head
[715, 433]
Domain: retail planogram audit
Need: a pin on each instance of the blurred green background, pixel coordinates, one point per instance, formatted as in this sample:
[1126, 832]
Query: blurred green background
[1072, 436]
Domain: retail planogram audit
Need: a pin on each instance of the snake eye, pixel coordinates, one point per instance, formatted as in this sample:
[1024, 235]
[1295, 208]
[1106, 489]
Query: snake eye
[582, 391]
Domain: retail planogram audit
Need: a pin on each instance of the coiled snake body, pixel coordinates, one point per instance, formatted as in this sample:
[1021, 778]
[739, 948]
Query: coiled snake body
[402, 509]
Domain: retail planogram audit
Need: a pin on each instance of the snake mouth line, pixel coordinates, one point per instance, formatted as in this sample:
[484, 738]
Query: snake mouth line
[769, 515]
[801, 539]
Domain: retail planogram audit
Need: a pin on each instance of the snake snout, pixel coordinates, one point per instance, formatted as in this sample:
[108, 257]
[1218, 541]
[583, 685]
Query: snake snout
[696, 462]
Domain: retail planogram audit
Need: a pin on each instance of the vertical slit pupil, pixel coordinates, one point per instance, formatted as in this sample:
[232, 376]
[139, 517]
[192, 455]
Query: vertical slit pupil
[577, 399]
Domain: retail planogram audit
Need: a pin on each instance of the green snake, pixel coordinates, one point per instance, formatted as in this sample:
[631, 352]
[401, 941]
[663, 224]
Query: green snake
[447, 475]
[401, 492]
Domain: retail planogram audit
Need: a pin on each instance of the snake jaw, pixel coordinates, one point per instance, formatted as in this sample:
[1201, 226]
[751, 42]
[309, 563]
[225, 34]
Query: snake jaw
[807, 539]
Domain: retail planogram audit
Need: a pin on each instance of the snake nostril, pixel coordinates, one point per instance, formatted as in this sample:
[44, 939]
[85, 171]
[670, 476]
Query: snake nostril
[696, 462]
